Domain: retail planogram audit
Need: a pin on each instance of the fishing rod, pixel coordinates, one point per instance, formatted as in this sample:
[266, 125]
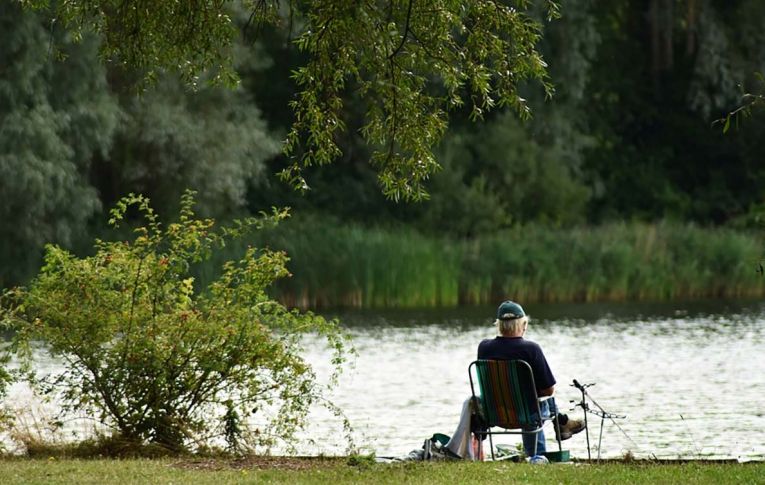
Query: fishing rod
[600, 412]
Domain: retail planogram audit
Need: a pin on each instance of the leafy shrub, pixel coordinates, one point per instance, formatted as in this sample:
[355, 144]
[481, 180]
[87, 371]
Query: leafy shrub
[158, 361]
[5, 379]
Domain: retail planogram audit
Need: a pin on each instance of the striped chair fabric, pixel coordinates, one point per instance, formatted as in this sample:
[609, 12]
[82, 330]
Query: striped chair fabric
[508, 393]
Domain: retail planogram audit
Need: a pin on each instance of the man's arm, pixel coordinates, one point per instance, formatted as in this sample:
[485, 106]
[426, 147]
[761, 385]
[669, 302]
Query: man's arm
[547, 391]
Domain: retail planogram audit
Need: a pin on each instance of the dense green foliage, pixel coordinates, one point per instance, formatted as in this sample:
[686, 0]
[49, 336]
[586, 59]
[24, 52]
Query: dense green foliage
[75, 137]
[410, 62]
[130, 472]
[628, 135]
[678, 71]
[625, 136]
[155, 360]
[169, 139]
[56, 117]
[353, 266]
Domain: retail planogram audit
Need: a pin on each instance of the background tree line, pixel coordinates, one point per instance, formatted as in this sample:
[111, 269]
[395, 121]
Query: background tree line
[627, 136]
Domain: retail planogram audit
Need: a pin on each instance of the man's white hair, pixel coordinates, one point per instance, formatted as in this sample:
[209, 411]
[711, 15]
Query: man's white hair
[509, 327]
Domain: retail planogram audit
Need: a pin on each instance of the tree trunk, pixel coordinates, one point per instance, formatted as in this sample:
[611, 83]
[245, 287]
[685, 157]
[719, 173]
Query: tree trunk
[653, 21]
[661, 25]
[691, 20]
[667, 30]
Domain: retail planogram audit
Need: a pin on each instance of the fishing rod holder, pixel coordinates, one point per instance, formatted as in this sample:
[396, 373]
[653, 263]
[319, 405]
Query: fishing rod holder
[605, 415]
[598, 411]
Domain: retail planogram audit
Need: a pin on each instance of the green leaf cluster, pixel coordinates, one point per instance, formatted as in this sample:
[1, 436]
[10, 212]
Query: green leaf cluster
[749, 101]
[412, 62]
[187, 37]
[146, 354]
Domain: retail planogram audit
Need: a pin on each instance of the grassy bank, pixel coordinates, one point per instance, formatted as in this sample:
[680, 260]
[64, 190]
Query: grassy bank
[358, 267]
[168, 471]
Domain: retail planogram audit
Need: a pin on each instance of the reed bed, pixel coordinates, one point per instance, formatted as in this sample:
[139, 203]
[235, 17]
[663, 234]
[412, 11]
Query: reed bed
[360, 267]
[348, 265]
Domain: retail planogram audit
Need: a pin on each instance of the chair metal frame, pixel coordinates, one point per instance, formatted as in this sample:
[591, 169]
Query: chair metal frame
[530, 416]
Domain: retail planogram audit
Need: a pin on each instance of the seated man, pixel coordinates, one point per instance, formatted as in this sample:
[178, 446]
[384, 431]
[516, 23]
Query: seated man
[511, 323]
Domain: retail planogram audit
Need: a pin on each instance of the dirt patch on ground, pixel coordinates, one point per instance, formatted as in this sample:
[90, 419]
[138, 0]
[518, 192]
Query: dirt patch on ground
[262, 463]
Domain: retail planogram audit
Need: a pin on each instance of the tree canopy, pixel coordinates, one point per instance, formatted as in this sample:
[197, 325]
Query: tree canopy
[628, 135]
[412, 63]
[55, 118]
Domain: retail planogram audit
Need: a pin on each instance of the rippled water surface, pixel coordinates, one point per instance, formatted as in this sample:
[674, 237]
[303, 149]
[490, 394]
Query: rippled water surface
[690, 378]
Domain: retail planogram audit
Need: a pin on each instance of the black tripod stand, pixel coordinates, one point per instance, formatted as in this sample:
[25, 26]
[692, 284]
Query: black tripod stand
[599, 411]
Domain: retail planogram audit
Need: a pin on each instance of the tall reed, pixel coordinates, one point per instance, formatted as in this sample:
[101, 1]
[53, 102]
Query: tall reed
[614, 262]
[348, 265]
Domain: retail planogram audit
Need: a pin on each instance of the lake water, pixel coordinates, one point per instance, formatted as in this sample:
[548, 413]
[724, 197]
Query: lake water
[689, 377]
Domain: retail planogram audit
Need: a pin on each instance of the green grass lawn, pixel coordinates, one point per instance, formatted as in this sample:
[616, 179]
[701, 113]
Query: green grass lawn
[175, 471]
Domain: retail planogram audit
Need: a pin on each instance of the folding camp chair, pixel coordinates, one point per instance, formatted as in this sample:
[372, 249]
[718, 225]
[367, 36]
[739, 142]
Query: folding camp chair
[509, 399]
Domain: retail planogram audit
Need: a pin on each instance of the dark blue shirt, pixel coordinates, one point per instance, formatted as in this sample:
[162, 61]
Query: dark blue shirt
[518, 348]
